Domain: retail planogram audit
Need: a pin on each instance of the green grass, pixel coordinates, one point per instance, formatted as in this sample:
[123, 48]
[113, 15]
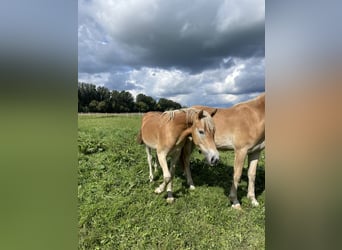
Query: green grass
[119, 210]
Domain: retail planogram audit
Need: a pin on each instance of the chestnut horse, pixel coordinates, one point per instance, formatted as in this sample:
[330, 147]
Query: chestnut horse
[190, 182]
[240, 128]
[167, 132]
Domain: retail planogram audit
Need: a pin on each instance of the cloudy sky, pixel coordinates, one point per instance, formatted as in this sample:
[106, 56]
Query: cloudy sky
[192, 52]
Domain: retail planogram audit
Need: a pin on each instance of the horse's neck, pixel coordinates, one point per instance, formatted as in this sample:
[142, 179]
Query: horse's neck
[182, 119]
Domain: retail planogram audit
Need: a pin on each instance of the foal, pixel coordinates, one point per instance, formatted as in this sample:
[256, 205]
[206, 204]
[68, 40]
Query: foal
[167, 132]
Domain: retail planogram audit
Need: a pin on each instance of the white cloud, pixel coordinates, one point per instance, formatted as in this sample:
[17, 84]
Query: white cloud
[216, 87]
[245, 77]
[98, 79]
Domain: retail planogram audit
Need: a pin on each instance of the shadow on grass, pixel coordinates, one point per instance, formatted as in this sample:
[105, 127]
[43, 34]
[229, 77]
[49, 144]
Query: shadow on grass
[220, 175]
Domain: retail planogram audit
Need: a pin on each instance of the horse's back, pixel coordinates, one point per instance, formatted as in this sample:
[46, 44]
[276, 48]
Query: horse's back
[241, 125]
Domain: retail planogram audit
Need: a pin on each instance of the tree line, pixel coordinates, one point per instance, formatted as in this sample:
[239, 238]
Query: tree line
[102, 100]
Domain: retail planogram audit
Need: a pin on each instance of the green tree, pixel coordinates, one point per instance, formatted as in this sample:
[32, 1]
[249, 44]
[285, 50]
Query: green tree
[142, 107]
[114, 101]
[165, 104]
[102, 94]
[102, 107]
[126, 102]
[122, 102]
[145, 103]
[101, 99]
[86, 93]
[93, 106]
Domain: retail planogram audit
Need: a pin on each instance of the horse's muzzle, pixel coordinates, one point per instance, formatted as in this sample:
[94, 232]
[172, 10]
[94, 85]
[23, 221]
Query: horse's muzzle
[212, 156]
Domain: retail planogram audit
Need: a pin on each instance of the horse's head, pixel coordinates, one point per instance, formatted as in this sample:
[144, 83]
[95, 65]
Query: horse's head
[203, 131]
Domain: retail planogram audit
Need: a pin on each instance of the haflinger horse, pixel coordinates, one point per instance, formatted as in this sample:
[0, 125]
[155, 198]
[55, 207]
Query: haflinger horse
[158, 115]
[167, 133]
[240, 128]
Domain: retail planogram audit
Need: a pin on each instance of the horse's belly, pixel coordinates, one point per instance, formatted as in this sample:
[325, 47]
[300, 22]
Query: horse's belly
[151, 142]
[224, 143]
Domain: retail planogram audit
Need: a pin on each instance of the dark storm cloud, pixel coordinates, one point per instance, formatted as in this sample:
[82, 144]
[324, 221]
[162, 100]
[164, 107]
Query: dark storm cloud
[192, 35]
[173, 48]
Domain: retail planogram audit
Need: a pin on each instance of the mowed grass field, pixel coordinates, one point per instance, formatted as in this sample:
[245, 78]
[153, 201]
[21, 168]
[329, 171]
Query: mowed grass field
[118, 208]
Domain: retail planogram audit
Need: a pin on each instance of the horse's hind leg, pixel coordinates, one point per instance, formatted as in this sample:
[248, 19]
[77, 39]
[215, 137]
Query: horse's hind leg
[253, 163]
[240, 156]
[155, 164]
[149, 160]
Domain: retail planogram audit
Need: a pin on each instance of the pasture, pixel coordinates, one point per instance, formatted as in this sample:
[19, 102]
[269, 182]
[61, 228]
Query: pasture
[118, 209]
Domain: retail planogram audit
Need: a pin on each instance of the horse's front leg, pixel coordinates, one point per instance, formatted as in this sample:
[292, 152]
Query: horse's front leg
[185, 160]
[240, 155]
[253, 163]
[174, 160]
[166, 172]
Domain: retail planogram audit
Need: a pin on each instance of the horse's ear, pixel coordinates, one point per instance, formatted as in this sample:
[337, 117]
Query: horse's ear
[213, 113]
[200, 115]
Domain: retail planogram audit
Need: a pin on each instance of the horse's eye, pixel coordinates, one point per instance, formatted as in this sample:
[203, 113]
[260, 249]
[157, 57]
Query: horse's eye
[201, 132]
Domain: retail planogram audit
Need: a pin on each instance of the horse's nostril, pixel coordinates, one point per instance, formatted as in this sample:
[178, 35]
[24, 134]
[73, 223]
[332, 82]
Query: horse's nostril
[213, 160]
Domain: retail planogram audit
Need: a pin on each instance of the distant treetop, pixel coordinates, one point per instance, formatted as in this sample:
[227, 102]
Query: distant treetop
[101, 99]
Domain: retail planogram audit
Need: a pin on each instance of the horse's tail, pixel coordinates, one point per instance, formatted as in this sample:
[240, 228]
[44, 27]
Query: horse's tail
[139, 138]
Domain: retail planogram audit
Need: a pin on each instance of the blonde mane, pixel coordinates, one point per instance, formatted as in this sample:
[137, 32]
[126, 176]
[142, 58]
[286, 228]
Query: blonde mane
[191, 115]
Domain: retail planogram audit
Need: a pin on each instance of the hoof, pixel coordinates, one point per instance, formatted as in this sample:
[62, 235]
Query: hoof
[192, 187]
[255, 203]
[237, 206]
[158, 190]
[170, 200]
[151, 179]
